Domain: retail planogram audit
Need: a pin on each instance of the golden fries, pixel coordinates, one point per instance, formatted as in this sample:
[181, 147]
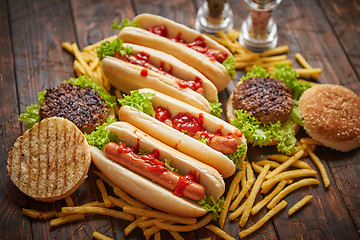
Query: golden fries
[103, 192]
[66, 219]
[320, 166]
[219, 232]
[131, 201]
[283, 158]
[99, 210]
[185, 228]
[264, 219]
[290, 188]
[299, 204]
[38, 215]
[176, 235]
[100, 236]
[286, 164]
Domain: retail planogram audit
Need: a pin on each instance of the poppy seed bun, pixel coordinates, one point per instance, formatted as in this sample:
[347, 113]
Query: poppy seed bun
[49, 161]
[332, 116]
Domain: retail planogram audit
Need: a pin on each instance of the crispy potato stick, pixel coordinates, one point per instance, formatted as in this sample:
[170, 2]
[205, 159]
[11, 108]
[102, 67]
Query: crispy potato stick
[300, 204]
[79, 69]
[100, 236]
[105, 179]
[185, 228]
[273, 164]
[151, 231]
[286, 164]
[82, 61]
[207, 238]
[47, 215]
[68, 47]
[289, 189]
[157, 236]
[283, 158]
[268, 198]
[219, 232]
[309, 141]
[302, 61]
[176, 235]
[99, 210]
[69, 201]
[31, 213]
[270, 64]
[287, 175]
[241, 195]
[103, 192]
[320, 166]
[133, 225]
[238, 211]
[249, 172]
[308, 72]
[236, 191]
[263, 220]
[117, 202]
[231, 190]
[95, 63]
[94, 204]
[275, 51]
[243, 184]
[66, 219]
[274, 58]
[147, 223]
[251, 199]
[246, 57]
[132, 201]
[159, 215]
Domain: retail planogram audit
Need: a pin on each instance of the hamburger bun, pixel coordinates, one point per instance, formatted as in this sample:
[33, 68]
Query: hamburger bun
[50, 161]
[332, 116]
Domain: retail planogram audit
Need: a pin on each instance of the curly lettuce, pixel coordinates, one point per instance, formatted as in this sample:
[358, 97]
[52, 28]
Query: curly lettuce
[110, 48]
[229, 64]
[213, 206]
[216, 109]
[236, 156]
[101, 136]
[141, 102]
[31, 114]
[124, 23]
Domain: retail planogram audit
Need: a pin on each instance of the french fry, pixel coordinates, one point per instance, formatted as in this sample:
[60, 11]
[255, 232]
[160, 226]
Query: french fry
[79, 69]
[257, 168]
[275, 51]
[272, 164]
[31, 213]
[238, 211]
[82, 61]
[274, 58]
[228, 198]
[287, 175]
[240, 196]
[309, 141]
[304, 64]
[66, 219]
[286, 164]
[129, 228]
[68, 47]
[147, 223]
[263, 220]
[251, 199]
[100, 211]
[219, 232]
[249, 173]
[283, 158]
[151, 231]
[105, 179]
[100, 236]
[289, 189]
[236, 191]
[268, 198]
[117, 201]
[299, 204]
[320, 166]
[176, 235]
[103, 192]
[131, 201]
[185, 228]
[159, 215]
[69, 201]
[157, 236]
[308, 72]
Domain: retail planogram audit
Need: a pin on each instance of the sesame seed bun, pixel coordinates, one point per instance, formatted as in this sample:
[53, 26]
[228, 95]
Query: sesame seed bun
[332, 116]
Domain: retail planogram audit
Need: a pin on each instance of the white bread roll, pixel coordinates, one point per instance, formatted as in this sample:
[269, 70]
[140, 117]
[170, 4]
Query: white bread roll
[213, 70]
[179, 140]
[50, 161]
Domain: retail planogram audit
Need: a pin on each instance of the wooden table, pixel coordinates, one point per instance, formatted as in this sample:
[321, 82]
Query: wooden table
[326, 32]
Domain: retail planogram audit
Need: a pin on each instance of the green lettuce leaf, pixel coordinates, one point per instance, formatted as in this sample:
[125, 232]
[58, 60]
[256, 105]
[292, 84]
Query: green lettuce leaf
[101, 136]
[84, 81]
[124, 23]
[235, 157]
[289, 76]
[216, 109]
[229, 64]
[31, 114]
[256, 71]
[212, 206]
[110, 48]
[141, 102]
[286, 138]
[295, 114]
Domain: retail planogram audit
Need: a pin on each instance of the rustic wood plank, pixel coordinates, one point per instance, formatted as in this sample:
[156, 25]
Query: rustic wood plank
[11, 200]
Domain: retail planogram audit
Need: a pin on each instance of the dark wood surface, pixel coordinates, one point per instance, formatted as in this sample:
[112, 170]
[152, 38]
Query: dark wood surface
[325, 32]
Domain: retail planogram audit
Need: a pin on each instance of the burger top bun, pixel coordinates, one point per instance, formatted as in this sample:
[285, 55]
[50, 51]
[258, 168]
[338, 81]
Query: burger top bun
[49, 161]
[332, 116]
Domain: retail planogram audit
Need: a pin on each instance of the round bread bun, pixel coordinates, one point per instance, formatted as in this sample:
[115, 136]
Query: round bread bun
[50, 161]
[230, 116]
[332, 116]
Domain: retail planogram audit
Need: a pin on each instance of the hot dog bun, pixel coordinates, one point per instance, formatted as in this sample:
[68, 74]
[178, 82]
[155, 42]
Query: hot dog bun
[146, 190]
[39, 166]
[126, 77]
[179, 140]
[213, 70]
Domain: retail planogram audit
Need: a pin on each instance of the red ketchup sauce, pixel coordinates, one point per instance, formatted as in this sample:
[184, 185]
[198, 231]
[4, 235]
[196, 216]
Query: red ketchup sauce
[183, 182]
[192, 84]
[144, 72]
[188, 123]
[151, 160]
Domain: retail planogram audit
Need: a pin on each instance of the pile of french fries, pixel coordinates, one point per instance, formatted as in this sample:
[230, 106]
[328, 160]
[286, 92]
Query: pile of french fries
[246, 59]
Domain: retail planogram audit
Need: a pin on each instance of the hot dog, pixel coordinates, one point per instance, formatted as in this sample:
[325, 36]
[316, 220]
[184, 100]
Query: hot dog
[181, 126]
[188, 45]
[145, 176]
[130, 66]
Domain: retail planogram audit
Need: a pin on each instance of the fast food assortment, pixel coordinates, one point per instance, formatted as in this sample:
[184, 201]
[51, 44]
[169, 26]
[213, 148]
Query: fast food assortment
[160, 143]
